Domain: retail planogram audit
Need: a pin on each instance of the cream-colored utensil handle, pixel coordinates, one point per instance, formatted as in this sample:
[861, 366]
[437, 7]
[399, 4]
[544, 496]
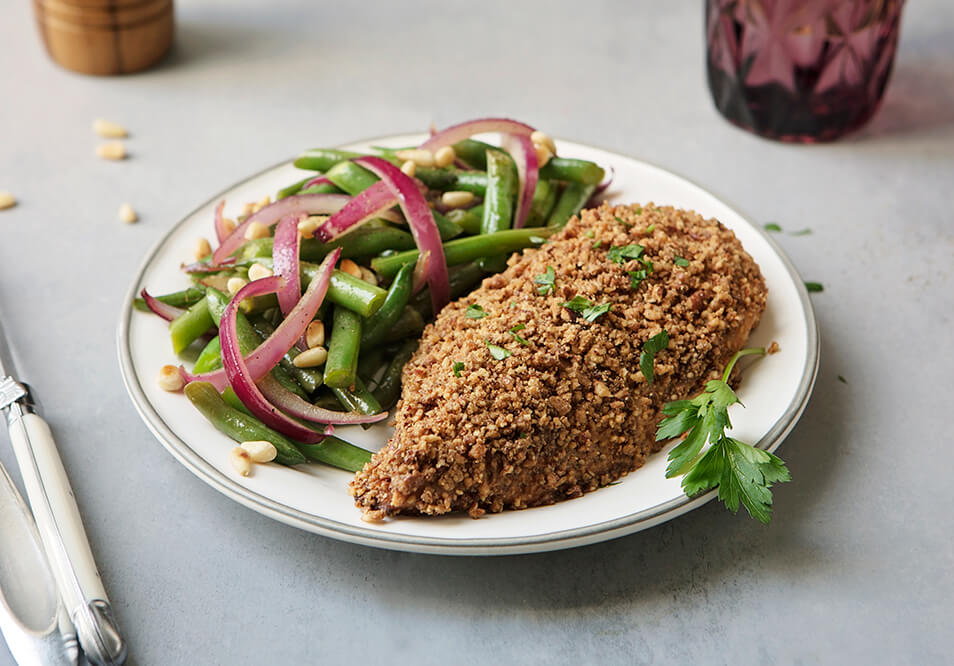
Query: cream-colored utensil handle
[63, 537]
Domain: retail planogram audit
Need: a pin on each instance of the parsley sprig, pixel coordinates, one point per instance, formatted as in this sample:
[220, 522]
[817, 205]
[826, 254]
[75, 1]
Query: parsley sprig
[740, 471]
[545, 281]
[647, 357]
[586, 308]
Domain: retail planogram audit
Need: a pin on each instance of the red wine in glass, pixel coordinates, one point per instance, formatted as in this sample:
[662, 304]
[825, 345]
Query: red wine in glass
[800, 70]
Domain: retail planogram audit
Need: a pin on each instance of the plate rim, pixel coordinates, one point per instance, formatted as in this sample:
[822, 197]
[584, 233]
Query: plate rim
[556, 540]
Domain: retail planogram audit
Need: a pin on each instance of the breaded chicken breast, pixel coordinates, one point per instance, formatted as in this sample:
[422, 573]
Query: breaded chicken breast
[527, 401]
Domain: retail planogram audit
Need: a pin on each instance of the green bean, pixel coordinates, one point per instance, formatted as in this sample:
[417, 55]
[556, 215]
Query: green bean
[180, 299]
[362, 242]
[342, 364]
[294, 188]
[462, 250]
[308, 378]
[544, 198]
[248, 338]
[473, 152]
[210, 358]
[468, 218]
[462, 279]
[573, 171]
[411, 322]
[322, 159]
[189, 326]
[571, 202]
[453, 179]
[351, 177]
[496, 263]
[447, 228]
[337, 453]
[359, 399]
[377, 326]
[321, 188]
[239, 426]
[369, 362]
[501, 192]
[389, 388]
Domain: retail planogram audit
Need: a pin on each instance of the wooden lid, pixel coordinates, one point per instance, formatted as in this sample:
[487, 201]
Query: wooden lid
[117, 40]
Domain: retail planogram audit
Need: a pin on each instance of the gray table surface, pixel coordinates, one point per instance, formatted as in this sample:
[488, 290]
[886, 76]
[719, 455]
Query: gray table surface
[858, 564]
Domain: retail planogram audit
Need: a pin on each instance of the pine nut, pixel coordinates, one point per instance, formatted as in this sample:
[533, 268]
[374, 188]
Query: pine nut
[312, 358]
[369, 276]
[543, 139]
[260, 451]
[170, 379]
[351, 268]
[422, 158]
[261, 203]
[457, 199]
[248, 209]
[543, 154]
[315, 334]
[111, 150]
[256, 230]
[202, 249]
[109, 130]
[445, 156]
[127, 214]
[7, 200]
[257, 272]
[241, 461]
[228, 225]
[409, 168]
[235, 284]
[309, 225]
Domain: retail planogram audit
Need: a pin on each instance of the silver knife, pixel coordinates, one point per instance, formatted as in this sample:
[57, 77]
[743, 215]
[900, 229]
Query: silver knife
[58, 520]
[32, 618]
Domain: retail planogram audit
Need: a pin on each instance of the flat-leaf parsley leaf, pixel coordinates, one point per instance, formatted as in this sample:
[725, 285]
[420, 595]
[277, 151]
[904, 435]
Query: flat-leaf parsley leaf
[546, 281]
[679, 261]
[586, 309]
[620, 254]
[513, 332]
[653, 346]
[458, 366]
[741, 472]
[499, 353]
[474, 311]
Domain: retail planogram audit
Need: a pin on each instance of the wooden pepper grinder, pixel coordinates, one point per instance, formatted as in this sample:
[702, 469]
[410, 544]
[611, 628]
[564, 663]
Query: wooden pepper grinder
[105, 37]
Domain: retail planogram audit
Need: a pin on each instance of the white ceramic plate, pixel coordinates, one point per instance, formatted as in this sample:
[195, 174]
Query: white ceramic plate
[315, 497]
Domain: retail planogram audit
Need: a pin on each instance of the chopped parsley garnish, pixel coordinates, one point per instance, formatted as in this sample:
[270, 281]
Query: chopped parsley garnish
[635, 277]
[589, 234]
[546, 281]
[620, 254]
[513, 332]
[740, 471]
[586, 309]
[651, 228]
[499, 353]
[458, 366]
[597, 245]
[638, 211]
[842, 379]
[474, 311]
[652, 346]
[772, 226]
[802, 232]
[679, 261]
[622, 221]
[814, 286]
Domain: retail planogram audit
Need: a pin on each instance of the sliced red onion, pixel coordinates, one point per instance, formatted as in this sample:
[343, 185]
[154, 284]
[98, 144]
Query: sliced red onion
[313, 204]
[285, 261]
[419, 276]
[238, 373]
[317, 180]
[371, 203]
[459, 132]
[267, 355]
[524, 156]
[422, 224]
[221, 233]
[204, 267]
[596, 196]
[164, 310]
[288, 402]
